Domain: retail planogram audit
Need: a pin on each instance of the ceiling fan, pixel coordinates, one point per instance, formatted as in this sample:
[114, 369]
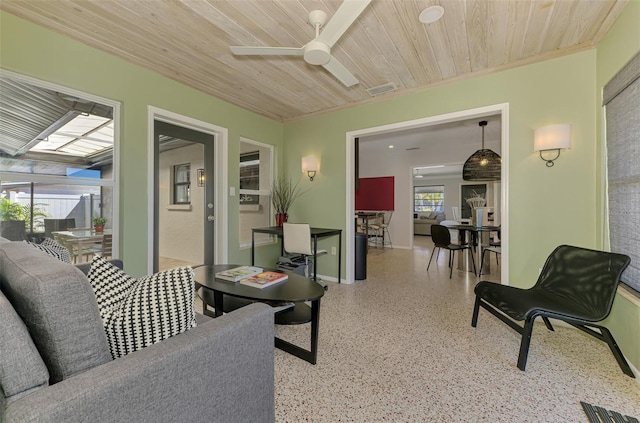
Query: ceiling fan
[318, 51]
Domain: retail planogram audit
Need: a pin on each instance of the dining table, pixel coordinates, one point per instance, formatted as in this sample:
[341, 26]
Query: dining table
[479, 238]
[79, 241]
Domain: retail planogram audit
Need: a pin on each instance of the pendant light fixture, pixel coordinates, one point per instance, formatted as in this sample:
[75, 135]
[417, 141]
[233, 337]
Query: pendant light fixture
[483, 165]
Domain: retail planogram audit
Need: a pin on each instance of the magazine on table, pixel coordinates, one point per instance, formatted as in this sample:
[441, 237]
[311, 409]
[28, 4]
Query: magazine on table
[264, 279]
[238, 273]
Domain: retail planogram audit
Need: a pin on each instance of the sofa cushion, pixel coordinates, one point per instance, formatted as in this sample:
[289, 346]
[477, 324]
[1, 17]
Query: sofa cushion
[58, 306]
[140, 312]
[21, 367]
[54, 249]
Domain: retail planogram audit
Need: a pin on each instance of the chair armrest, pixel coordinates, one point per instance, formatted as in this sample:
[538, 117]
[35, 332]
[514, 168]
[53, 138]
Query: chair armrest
[219, 371]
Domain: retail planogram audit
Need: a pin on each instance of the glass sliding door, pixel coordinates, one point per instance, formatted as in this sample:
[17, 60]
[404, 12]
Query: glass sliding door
[58, 165]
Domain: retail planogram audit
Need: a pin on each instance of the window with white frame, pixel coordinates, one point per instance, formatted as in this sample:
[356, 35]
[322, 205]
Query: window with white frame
[255, 176]
[622, 106]
[182, 184]
[428, 198]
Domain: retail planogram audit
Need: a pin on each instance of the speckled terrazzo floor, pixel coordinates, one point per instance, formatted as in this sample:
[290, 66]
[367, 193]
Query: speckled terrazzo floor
[399, 347]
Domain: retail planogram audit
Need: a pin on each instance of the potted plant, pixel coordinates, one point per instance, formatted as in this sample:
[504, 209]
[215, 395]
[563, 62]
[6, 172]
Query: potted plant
[98, 223]
[283, 194]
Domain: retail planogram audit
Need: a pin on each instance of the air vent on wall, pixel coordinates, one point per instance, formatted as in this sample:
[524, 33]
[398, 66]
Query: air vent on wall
[382, 89]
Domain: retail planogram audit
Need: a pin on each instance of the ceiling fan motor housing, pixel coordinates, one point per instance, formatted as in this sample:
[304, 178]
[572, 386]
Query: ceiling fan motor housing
[317, 18]
[317, 53]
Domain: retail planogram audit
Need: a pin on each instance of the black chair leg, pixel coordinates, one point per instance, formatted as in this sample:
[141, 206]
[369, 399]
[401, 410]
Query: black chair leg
[475, 273]
[547, 323]
[430, 258]
[524, 343]
[476, 310]
[613, 346]
[482, 262]
[452, 254]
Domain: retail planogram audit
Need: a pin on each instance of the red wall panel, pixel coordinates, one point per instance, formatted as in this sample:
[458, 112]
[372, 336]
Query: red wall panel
[375, 194]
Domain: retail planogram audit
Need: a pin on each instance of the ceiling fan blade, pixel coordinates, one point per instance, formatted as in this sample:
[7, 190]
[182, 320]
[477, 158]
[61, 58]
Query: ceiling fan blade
[338, 70]
[346, 14]
[266, 51]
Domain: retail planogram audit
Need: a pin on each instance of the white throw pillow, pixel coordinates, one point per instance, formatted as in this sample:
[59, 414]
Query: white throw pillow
[140, 312]
[54, 249]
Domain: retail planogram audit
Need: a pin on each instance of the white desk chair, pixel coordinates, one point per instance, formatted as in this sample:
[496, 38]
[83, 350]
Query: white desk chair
[297, 240]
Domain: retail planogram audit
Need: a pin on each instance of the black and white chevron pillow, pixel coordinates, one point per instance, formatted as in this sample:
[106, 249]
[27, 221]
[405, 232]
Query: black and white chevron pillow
[110, 284]
[53, 248]
[140, 312]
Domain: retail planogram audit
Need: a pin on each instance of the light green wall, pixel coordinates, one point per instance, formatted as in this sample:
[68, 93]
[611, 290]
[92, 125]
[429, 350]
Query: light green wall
[547, 206]
[36, 52]
[619, 46]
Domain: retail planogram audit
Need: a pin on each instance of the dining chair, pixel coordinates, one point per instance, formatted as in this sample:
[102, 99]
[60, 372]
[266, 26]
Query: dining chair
[495, 246]
[455, 234]
[384, 228]
[104, 248]
[492, 248]
[53, 225]
[374, 230]
[442, 240]
[455, 212]
[13, 230]
[576, 285]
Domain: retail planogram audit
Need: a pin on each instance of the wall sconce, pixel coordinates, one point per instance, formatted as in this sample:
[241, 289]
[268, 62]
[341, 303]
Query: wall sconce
[200, 177]
[552, 137]
[310, 165]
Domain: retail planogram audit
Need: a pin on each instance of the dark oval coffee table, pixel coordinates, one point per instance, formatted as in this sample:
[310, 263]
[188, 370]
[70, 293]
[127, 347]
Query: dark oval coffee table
[296, 289]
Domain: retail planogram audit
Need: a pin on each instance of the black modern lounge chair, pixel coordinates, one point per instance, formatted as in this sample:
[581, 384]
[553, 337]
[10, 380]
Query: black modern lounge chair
[576, 285]
[442, 239]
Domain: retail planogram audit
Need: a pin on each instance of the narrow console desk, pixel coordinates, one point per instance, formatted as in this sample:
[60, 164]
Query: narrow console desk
[315, 234]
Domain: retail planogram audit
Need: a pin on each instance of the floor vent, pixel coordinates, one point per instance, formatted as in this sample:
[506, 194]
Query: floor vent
[600, 415]
[382, 89]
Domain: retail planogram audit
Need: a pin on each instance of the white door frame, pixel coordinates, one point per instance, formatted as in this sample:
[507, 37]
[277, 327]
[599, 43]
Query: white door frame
[221, 149]
[502, 109]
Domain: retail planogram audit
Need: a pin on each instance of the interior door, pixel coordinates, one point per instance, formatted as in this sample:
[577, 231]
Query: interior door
[184, 190]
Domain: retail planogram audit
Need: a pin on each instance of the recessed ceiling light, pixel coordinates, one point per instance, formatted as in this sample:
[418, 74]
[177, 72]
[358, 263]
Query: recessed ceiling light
[391, 146]
[431, 14]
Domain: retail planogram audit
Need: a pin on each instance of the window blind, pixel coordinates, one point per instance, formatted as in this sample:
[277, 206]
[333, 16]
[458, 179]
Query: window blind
[622, 108]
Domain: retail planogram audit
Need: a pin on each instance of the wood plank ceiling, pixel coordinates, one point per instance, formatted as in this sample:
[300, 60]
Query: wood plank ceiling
[188, 41]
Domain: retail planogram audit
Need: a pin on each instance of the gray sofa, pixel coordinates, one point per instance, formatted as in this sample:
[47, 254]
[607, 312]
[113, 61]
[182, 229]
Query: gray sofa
[422, 223]
[55, 364]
